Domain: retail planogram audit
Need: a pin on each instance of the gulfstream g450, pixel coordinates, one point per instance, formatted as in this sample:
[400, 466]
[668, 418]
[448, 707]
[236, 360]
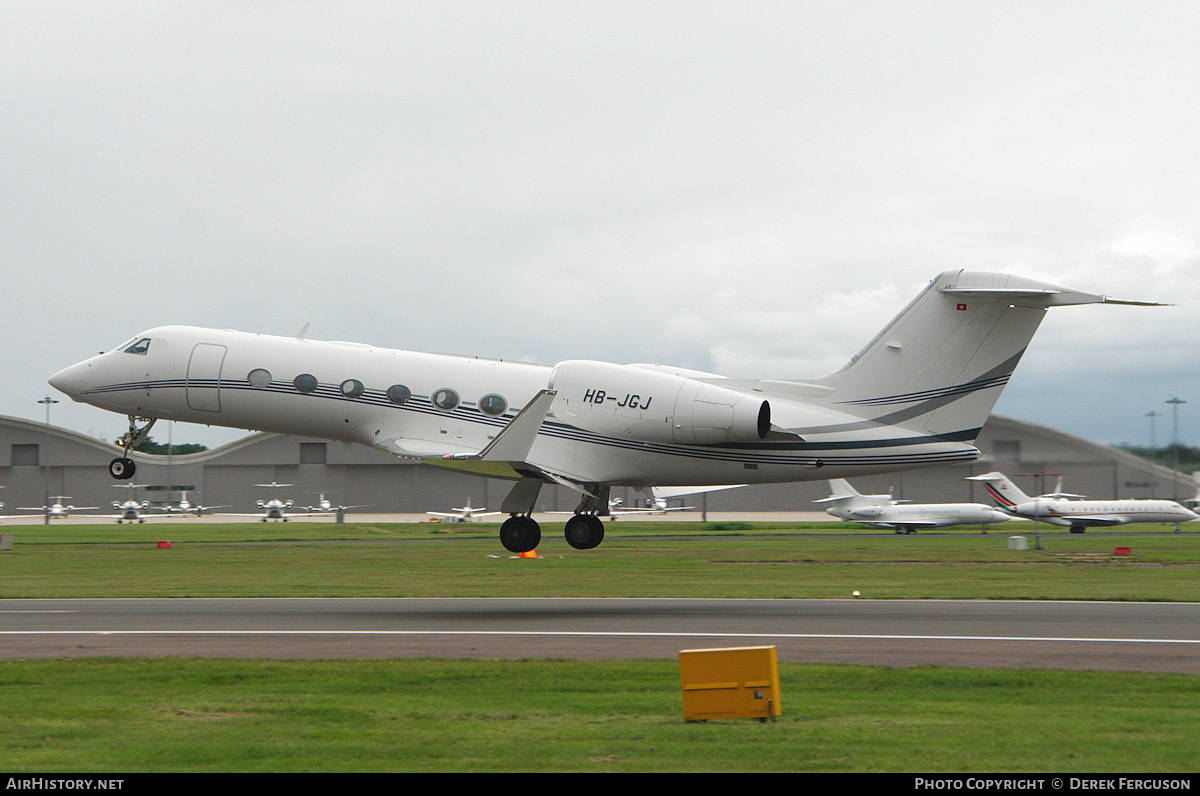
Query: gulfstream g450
[915, 396]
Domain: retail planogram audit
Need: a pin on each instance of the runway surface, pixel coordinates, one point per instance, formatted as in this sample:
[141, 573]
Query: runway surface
[1161, 637]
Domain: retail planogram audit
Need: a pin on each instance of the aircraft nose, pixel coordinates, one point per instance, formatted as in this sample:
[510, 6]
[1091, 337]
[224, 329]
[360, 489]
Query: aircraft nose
[70, 380]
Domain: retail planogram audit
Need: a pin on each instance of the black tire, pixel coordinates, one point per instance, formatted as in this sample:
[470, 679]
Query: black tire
[121, 468]
[584, 531]
[520, 534]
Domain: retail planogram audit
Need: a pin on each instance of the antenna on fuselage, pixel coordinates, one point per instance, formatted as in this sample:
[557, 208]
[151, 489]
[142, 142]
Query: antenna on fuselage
[303, 331]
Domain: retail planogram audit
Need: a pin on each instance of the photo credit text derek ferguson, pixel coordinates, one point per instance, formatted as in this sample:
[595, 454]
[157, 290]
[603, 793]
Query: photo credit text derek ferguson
[1052, 783]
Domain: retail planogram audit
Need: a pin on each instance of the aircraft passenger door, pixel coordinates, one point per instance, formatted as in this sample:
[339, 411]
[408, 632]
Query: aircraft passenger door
[204, 377]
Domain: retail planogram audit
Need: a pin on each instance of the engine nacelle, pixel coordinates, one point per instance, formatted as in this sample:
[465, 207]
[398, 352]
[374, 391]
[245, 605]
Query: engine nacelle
[652, 406]
[865, 512]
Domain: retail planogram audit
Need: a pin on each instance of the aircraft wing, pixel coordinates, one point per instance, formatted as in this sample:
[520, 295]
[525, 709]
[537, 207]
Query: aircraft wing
[513, 443]
[680, 491]
[282, 515]
[421, 448]
[1094, 519]
[462, 516]
[506, 452]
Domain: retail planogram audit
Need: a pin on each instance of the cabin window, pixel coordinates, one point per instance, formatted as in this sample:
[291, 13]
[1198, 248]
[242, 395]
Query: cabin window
[445, 398]
[305, 382]
[259, 378]
[352, 388]
[493, 404]
[399, 394]
[140, 347]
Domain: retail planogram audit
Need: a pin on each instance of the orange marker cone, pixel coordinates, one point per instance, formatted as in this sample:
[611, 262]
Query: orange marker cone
[528, 554]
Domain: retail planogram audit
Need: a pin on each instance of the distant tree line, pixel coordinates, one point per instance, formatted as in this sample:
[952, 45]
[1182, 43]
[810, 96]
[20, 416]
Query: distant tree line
[1189, 458]
[159, 449]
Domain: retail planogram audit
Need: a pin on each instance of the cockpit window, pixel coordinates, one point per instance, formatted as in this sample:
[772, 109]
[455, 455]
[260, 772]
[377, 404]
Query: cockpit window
[139, 347]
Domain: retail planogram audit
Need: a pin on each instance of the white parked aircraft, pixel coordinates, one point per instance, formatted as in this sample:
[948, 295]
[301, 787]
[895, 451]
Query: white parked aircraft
[185, 506]
[129, 510]
[852, 506]
[325, 506]
[57, 510]
[276, 509]
[1079, 514]
[464, 514]
[1195, 501]
[916, 396]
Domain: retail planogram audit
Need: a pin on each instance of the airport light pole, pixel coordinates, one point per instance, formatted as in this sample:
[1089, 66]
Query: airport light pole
[46, 459]
[1153, 451]
[1175, 402]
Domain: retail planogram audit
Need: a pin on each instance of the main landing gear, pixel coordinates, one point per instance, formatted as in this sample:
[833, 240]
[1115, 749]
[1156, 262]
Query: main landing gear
[584, 531]
[521, 533]
[122, 468]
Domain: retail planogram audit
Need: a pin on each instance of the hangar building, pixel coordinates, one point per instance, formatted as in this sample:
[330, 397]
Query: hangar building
[36, 461]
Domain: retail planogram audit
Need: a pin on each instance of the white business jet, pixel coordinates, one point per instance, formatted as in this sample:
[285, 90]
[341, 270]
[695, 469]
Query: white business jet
[186, 506]
[130, 510]
[1079, 514]
[852, 506]
[276, 509]
[915, 396]
[58, 509]
[325, 506]
[464, 514]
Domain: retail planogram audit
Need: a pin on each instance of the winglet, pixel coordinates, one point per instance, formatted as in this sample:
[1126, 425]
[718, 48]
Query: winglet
[513, 443]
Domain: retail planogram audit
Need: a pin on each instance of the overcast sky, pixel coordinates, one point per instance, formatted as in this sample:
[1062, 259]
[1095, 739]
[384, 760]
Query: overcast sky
[750, 188]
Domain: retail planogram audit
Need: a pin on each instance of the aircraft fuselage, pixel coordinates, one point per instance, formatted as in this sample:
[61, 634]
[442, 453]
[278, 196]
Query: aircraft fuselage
[614, 424]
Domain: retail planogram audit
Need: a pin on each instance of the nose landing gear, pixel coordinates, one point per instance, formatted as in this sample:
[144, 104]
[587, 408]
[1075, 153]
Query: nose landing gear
[122, 468]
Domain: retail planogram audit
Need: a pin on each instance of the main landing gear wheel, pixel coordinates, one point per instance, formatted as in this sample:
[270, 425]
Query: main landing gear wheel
[584, 531]
[520, 534]
[121, 468]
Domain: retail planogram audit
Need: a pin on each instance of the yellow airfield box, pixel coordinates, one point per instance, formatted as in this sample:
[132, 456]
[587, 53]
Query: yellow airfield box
[733, 683]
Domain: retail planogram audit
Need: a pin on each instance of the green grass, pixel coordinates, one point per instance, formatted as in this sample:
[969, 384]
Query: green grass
[102, 715]
[636, 560]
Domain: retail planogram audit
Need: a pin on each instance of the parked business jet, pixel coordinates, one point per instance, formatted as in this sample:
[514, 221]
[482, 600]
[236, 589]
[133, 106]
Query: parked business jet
[852, 506]
[1195, 500]
[1079, 514]
[57, 509]
[657, 500]
[276, 509]
[464, 514]
[916, 396]
[325, 506]
[129, 510]
[185, 506]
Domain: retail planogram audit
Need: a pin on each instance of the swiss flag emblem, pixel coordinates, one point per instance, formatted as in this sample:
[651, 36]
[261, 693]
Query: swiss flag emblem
[962, 307]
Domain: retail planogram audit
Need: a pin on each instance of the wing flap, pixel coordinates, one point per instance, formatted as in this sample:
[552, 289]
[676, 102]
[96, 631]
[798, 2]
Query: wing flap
[1093, 519]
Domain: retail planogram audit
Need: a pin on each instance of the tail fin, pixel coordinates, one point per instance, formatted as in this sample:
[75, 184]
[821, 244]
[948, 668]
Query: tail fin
[940, 365]
[1002, 490]
[842, 492]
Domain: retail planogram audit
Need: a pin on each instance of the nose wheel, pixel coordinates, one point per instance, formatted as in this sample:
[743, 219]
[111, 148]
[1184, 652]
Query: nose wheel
[122, 468]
